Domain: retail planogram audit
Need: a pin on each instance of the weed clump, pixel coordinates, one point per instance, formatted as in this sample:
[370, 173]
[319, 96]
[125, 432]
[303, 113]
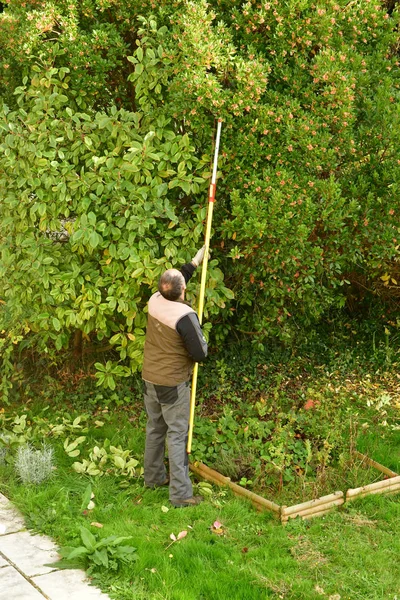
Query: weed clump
[34, 466]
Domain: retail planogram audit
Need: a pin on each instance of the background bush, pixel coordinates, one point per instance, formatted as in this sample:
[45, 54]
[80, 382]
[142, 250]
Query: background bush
[105, 146]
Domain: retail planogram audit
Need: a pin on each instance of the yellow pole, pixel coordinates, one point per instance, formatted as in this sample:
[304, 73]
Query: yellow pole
[211, 199]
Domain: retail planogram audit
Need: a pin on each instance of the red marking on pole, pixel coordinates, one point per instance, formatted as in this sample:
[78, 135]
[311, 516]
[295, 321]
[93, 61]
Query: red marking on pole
[211, 197]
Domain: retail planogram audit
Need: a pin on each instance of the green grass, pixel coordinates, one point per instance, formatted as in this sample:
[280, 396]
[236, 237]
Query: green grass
[353, 552]
[386, 450]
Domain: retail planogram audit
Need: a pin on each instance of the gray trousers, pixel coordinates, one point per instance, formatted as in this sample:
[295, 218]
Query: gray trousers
[168, 418]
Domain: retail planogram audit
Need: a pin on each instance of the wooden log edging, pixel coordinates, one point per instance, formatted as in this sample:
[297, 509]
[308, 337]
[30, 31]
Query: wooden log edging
[312, 508]
[387, 486]
[259, 502]
[375, 464]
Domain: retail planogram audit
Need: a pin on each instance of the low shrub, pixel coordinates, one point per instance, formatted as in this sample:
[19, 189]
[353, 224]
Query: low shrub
[34, 465]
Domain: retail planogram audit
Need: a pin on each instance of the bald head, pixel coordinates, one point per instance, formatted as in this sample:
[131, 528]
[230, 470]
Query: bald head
[172, 284]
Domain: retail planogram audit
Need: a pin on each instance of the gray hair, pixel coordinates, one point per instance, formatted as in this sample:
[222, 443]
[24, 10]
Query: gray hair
[171, 284]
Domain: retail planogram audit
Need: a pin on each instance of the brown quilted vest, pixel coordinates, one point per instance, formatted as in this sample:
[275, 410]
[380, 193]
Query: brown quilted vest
[166, 361]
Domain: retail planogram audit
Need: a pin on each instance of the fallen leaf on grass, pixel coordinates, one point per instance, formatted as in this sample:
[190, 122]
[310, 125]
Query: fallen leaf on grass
[217, 528]
[165, 509]
[180, 536]
[217, 525]
[98, 525]
[175, 538]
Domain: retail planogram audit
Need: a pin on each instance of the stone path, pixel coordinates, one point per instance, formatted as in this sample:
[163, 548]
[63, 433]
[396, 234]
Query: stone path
[23, 556]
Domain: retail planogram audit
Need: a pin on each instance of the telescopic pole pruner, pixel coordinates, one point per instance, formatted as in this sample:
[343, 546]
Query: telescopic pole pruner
[211, 200]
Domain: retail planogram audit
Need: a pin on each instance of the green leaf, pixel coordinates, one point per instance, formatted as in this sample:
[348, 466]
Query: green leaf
[113, 540]
[86, 496]
[79, 467]
[185, 185]
[100, 557]
[74, 453]
[161, 189]
[119, 462]
[93, 469]
[76, 552]
[137, 272]
[94, 239]
[110, 382]
[88, 539]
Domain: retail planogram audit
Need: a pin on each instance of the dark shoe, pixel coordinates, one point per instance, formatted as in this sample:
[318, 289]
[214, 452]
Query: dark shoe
[193, 501]
[153, 486]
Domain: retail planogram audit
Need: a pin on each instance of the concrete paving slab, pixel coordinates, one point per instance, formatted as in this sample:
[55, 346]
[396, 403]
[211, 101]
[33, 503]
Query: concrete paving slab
[27, 578]
[29, 553]
[11, 520]
[15, 587]
[68, 585]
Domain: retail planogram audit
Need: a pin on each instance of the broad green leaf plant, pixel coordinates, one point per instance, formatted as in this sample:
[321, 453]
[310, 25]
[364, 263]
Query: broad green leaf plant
[93, 209]
[97, 554]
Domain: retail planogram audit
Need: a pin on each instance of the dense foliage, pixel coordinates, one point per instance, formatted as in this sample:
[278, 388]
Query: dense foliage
[106, 131]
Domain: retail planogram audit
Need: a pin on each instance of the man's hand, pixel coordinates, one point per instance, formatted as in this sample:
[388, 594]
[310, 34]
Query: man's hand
[198, 259]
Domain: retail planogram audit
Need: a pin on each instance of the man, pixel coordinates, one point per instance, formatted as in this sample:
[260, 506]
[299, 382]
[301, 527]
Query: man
[174, 342]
